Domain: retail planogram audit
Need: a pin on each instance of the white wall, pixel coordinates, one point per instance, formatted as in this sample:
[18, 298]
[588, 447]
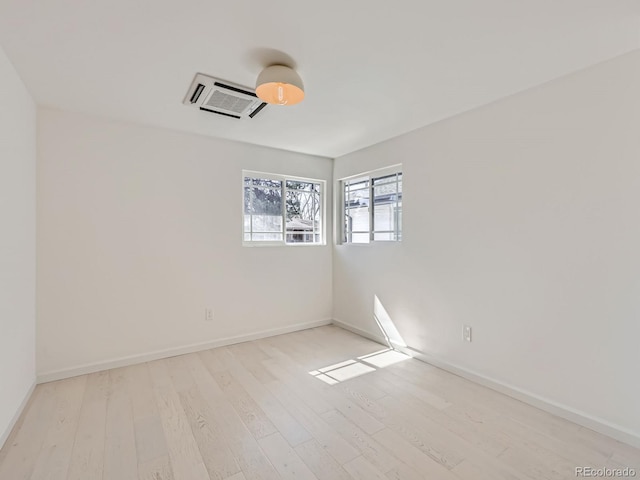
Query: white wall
[521, 219]
[17, 243]
[139, 230]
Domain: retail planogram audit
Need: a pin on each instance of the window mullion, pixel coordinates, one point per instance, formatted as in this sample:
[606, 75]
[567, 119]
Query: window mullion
[345, 226]
[284, 209]
[371, 209]
[347, 223]
[396, 209]
[251, 213]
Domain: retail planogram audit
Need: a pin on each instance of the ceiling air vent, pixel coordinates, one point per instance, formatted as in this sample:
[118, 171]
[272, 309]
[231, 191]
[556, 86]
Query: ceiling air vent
[223, 98]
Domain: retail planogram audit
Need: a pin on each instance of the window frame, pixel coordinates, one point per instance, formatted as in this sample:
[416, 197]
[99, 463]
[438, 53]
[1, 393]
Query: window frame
[370, 178]
[284, 179]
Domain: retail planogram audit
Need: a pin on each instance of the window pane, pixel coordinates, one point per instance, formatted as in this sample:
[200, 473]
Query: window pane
[262, 201]
[266, 237]
[386, 179]
[384, 217]
[247, 201]
[266, 223]
[304, 186]
[387, 207]
[262, 182]
[356, 183]
[385, 193]
[384, 207]
[263, 210]
[302, 238]
[384, 236]
[373, 208]
[357, 198]
[303, 205]
[303, 212]
[356, 211]
[278, 209]
[357, 219]
[359, 238]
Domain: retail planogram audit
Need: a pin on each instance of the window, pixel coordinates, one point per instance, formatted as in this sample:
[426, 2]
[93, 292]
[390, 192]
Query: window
[282, 210]
[372, 207]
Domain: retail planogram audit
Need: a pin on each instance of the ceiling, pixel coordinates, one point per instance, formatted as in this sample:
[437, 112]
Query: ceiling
[372, 69]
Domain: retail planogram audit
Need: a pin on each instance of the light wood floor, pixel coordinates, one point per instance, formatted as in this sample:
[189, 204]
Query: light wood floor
[253, 411]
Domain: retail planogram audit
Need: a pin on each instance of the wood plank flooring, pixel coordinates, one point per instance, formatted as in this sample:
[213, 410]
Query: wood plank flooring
[317, 404]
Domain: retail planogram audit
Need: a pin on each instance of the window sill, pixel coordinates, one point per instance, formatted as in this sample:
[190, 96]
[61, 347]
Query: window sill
[271, 244]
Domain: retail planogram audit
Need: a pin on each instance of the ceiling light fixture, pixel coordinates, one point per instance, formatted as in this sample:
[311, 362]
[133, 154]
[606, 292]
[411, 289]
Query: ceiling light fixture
[280, 85]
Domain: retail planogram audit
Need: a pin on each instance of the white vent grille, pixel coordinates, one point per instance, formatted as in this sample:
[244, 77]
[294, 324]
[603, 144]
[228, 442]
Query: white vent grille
[217, 96]
[228, 102]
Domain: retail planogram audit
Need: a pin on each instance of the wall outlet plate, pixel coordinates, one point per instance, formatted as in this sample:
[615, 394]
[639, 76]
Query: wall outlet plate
[466, 333]
[208, 314]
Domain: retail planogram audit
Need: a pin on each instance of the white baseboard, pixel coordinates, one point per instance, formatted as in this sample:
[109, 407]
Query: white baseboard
[172, 352]
[600, 425]
[363, 333]
[25, 401]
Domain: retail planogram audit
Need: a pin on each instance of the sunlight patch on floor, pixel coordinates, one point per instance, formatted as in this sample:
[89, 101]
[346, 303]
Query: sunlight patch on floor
[336, 366]
[384, 359]
[339, 372]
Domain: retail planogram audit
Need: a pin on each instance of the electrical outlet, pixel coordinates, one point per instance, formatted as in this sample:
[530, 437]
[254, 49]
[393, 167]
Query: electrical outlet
[208, 314]
[466, 333]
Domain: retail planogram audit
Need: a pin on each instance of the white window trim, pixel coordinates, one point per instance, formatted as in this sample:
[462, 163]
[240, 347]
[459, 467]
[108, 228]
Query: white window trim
[283, 178]
[339, 210]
